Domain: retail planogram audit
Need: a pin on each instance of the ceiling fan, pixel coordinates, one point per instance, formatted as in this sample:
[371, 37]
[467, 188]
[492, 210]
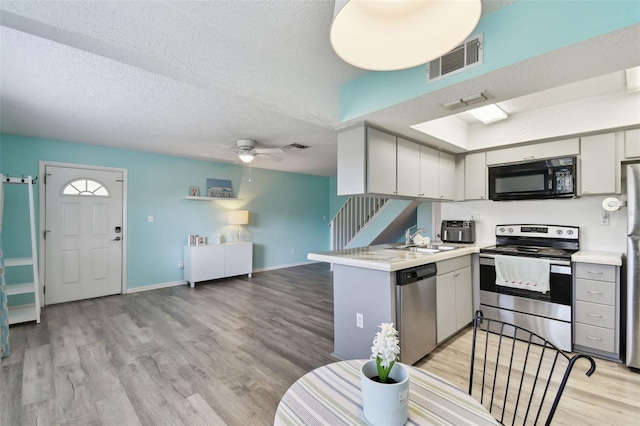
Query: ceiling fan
[247, 150]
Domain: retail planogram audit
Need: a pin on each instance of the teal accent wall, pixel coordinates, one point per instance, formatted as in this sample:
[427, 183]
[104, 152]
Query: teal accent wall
[335, 201]
[523, 30]
[286, 210]
[424, 216]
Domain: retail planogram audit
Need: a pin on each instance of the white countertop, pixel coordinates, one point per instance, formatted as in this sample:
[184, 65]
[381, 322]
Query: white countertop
[600, 257]
[384, 258]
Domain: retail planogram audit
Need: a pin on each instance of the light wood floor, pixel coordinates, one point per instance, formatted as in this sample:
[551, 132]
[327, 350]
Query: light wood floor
[224, 352]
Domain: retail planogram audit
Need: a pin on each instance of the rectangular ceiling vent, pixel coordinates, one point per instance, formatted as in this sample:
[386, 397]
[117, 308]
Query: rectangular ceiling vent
[465, 56]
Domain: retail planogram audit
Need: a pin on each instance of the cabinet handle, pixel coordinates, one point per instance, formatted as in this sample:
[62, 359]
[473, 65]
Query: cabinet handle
[528, 158]
[594, 315]
[594, 338]
[595, 272]
[594, 292]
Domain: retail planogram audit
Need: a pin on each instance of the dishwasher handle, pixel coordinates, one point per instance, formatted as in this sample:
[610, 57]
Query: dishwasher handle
[412, 275]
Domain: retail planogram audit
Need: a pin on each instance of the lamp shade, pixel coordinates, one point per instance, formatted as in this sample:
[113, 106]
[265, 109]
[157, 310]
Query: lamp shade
[238, 217]
[388, 35]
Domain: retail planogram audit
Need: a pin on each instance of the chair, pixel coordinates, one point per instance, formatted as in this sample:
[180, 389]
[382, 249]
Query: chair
[522, 379]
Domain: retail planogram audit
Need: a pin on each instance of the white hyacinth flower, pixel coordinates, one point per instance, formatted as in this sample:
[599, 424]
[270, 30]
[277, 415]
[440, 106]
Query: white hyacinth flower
[386, 349]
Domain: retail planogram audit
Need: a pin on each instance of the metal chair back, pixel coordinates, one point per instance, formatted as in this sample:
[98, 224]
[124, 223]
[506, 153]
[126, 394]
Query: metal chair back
[519, 380]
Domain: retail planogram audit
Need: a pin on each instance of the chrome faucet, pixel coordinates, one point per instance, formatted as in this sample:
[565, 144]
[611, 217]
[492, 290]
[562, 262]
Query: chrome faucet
[408, 236]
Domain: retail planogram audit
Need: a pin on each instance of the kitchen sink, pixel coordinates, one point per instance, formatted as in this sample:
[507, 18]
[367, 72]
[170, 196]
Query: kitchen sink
[429, 248]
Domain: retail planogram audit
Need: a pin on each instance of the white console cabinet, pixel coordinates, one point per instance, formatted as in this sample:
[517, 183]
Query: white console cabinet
[208, 262]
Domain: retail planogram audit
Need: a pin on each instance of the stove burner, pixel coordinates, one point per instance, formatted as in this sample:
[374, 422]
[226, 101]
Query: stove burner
[549, 241]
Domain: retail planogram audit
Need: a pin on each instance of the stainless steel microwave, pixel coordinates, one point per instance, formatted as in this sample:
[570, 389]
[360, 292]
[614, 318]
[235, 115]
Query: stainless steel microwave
[551, 178]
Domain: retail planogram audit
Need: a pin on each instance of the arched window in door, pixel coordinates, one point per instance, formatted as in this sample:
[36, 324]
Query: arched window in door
[85, 187]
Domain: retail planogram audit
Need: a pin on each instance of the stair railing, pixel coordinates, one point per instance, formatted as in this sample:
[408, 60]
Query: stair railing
[352, 217]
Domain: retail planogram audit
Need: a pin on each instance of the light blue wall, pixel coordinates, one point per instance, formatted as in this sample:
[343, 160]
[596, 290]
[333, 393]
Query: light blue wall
[523, 30]
[335, 201]
[286, 210]
[424, 214]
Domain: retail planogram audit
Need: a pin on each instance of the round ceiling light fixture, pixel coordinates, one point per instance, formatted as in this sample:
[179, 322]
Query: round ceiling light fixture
[246, 157]
[390, 35]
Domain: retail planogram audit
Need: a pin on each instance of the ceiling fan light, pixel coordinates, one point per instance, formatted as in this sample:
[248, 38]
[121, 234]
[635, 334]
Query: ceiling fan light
[394, 35]
[246, 157]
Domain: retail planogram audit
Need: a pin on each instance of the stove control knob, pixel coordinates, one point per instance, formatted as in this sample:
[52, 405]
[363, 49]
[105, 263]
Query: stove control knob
[501, 230]
[559, 231]
[510, 230]
[569, 232]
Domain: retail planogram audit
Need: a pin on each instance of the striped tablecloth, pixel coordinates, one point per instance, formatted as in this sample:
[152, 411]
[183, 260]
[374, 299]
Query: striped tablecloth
[330, 395]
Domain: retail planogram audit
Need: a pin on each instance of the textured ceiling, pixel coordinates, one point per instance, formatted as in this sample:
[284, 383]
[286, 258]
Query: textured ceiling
[184, 78]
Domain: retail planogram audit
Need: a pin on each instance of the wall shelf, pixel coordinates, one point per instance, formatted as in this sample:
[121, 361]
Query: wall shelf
[211, 198]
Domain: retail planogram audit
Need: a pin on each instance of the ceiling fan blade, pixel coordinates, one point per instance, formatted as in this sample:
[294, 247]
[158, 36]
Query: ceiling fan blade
[268, 150]
[269, 157]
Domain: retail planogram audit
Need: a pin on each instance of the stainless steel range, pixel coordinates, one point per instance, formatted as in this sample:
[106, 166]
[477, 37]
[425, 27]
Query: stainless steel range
[526, 279]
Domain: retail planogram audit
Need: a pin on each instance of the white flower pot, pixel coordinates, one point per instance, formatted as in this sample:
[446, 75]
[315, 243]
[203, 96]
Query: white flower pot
[385, 404]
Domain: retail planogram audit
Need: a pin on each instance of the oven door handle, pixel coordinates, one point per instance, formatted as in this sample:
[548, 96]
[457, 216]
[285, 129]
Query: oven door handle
[557, 266]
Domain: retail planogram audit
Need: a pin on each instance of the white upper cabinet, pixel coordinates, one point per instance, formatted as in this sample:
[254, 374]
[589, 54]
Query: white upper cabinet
[352, 162]
[408, 168]
[535, 151]
[632, 143]
[428, 172]
[599, 166]
[446, 176]
[381, 162]
[475, 176]
[371, 161]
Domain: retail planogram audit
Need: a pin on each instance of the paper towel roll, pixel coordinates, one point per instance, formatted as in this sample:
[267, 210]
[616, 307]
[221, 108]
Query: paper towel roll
[611, 204]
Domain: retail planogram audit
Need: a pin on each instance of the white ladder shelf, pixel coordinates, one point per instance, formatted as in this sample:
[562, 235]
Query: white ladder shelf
[28, 312]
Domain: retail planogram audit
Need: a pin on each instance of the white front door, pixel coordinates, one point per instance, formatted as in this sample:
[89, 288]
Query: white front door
[83, 237]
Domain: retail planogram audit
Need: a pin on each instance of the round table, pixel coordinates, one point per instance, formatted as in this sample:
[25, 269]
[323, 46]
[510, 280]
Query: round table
[330, 395]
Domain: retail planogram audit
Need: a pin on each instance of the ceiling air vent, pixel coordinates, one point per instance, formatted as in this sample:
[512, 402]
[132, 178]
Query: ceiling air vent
[465, 56]
[295, 146]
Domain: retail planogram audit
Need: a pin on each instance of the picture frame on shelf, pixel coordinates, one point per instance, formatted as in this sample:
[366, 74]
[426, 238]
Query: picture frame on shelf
[201, 241]
[192, 239]
[194, 191]
[219, 188]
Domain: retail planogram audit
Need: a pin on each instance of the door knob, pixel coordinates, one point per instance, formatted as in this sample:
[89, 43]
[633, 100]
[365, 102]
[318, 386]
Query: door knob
[116, 239]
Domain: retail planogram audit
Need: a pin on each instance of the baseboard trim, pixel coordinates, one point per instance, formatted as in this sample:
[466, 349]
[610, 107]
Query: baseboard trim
[156, 286]
[288, 265]
[183, 282]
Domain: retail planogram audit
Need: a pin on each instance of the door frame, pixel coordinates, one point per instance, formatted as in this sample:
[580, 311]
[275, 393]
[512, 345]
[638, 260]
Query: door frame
[41, 220]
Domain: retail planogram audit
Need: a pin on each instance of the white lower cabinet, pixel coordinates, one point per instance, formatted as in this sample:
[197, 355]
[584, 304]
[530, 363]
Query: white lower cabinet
[212, 261]
[454, 296]
[596, 313]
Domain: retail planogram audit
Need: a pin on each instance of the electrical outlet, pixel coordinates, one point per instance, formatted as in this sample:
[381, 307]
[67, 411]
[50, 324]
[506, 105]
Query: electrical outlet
[359, 320]
[293, 251]
[604, 218]
[475, 217]
[181, 264]
[150, 219]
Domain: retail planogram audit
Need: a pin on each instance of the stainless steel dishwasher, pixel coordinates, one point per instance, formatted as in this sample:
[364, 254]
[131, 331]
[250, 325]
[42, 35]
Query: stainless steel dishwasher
[416, 311]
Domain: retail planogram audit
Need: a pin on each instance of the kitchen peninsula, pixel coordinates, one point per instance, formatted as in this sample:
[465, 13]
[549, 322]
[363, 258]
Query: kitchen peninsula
[365, 293]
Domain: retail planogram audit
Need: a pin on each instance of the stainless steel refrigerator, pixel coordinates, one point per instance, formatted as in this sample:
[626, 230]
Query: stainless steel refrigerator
[633, 265]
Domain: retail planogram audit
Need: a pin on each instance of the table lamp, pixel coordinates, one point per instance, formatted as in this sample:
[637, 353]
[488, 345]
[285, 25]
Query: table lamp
[238, 218]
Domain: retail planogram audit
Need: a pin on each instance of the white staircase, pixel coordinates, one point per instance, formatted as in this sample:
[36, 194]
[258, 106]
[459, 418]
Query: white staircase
[352, 218]
[31, 311]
